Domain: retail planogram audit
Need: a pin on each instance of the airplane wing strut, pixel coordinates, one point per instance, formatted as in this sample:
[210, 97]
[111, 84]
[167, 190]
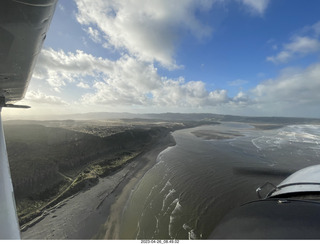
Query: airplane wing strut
[9, 225]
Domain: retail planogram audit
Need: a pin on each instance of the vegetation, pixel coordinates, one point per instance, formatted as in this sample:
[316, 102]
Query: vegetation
[49, 164]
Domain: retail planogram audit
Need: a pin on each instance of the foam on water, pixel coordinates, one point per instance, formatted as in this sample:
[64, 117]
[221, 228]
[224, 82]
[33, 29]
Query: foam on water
[266, 142]
[167, 198]
[156, 231]
[138, 230]
[175, 213]
[168, 184]
[171, 206]
[159, 158]
[288, 135]
[191, 234]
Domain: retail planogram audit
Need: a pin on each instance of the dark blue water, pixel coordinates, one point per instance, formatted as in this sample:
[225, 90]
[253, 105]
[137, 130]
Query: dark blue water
[195, 183]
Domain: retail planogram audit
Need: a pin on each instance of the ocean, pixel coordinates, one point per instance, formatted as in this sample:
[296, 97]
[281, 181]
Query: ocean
[200, 179]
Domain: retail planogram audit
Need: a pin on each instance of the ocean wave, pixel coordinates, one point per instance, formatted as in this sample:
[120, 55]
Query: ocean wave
[168, 184]
[175, 213]
[162, 153]
[138, 230]
[191, 234]
[267, 142]
[171, 206]
[288, 135]
[167, 198]
[304, 132]
[156, 230]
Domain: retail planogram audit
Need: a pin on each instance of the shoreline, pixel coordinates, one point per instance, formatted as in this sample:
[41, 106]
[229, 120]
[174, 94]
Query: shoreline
[110, 229]
[94, 213]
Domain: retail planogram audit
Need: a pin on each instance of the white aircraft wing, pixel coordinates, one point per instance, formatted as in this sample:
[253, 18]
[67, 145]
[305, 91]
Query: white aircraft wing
[23, 28]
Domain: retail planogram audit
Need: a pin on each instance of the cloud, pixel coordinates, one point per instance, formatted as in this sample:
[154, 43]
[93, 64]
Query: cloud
[59, 68]
[148, 30]
[94, 34]
[299, 46]
[295, 92]
[313, 30]
[131, 82]
[61, 7]
[125, 82]
[39, 97]
[170, 93]
[307, 42]
[256, 6]
[242, 98]
[238, 82]
[83, 85]
[293, 88]
[316, 29]
[178, 93]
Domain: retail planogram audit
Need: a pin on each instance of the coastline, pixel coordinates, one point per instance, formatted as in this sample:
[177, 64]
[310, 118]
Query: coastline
[110, 230]
[95, 212]
[105, 217]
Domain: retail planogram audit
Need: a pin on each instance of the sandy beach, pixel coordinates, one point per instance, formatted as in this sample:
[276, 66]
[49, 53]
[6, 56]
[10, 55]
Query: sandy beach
[95, 213]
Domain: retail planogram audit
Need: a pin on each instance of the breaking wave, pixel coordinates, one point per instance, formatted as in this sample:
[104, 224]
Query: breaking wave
[291, 134]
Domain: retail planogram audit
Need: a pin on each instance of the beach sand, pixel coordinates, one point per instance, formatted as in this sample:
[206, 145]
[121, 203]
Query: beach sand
[215, 135]
[96, 213]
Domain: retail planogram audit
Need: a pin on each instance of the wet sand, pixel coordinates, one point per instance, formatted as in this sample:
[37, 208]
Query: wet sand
[96, 213]
[215, 135]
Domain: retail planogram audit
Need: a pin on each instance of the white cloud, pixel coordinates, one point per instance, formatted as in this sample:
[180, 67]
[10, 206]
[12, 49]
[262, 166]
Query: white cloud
[307, 42]
[256, 6]
[94, 34]
[148, 30]
[295, 92]
[292, 88]
[218, 97]
[83, 85]
[129, 82]
[242, 98]
[316, 29]
[59, 68]
[170, 93]
[312, 30]
[303, 45]
[61, 7]
[40, 97]
[179, 93]
[281, 57]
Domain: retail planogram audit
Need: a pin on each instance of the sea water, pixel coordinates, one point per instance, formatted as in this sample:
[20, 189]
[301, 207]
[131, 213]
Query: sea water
[197, 181]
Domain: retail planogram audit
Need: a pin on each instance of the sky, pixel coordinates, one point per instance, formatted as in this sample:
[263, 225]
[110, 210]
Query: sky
[238, 57]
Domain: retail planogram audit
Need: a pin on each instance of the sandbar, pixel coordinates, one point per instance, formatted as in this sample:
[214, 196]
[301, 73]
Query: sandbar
[215, 135]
